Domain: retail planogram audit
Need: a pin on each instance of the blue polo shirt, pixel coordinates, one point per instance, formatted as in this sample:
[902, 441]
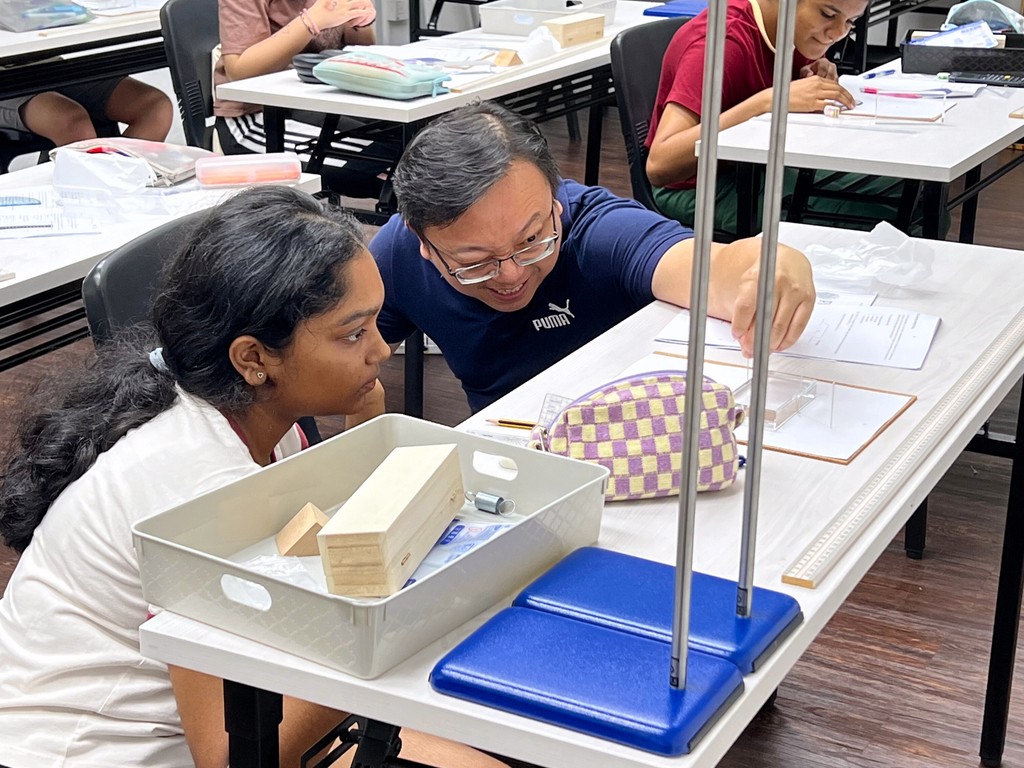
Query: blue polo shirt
[609, 250]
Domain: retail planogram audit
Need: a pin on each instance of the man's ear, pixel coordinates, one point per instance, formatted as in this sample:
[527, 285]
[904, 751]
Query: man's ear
[251, 359]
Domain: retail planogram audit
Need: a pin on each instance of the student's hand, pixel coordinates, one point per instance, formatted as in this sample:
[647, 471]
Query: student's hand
[822, 68]
[794, 294]
[334, 13]
[813, 93]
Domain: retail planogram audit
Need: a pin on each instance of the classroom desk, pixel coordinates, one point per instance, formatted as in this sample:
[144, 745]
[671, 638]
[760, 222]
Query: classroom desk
[543, 92]
[980, 341]
[937, 154]
[108, 46]
[49, 273]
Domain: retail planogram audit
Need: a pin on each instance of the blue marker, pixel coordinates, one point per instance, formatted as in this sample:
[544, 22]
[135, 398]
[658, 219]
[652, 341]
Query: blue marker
[883, 73]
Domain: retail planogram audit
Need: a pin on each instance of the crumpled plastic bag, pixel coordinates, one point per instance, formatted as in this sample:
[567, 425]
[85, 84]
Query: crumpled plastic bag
[540, 44]
[999, 18]
[885, 255]
[27, 15]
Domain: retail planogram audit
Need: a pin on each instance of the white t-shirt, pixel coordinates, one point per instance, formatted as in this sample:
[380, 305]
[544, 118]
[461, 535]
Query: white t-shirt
[74, 690]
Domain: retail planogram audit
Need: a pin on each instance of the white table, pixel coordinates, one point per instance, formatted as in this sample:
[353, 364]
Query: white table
[973, 131]
[562, 85]
[798, 497]
[49, 270]
[104, 47]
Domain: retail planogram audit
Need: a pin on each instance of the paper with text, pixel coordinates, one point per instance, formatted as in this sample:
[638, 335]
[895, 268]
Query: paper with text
[894, 338]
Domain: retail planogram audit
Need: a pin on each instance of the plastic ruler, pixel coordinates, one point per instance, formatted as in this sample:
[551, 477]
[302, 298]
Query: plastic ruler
[818, 559]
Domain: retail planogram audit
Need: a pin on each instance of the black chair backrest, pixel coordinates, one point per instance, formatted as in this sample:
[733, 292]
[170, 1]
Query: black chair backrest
[118, 291]
[636, 67]
[191, 30]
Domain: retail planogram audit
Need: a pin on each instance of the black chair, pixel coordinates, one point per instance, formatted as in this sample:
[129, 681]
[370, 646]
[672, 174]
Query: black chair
[14, 144]
[191, 30]
[636, 68]
[118, 290]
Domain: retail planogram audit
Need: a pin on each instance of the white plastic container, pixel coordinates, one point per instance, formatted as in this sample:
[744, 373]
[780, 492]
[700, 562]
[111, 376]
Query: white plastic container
[244, 170]
[520, 17]
[185, 553]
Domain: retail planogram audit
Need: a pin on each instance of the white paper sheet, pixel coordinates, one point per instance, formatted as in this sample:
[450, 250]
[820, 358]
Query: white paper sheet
[836, 426]
[48, 218]
[894, 338]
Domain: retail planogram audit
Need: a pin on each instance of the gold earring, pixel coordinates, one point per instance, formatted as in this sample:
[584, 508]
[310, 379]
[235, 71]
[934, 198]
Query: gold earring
[260, 375]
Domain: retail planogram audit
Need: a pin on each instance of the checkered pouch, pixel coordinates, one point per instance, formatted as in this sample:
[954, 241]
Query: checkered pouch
[633, 426]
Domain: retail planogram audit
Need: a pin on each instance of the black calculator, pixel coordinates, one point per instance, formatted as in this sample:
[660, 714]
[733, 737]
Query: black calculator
[1007, 79]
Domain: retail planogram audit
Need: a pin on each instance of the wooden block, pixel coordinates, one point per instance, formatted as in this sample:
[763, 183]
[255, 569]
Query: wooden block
[576, 28]
[379, 536]
[507, 58]
[298, 537]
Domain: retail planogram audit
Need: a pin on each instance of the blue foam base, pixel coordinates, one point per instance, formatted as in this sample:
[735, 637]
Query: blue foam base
[636, 596]
[588, 678]
[675, 8]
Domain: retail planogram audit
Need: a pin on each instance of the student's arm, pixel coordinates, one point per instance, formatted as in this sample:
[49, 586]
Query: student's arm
[732, 290]
[673, 152]
[201, 707]
[274, 52]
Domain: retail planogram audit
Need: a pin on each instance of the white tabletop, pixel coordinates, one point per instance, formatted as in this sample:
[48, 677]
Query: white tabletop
[974, 130]
[284, 89]
[42, 263]
[93, 33]
[798, 497]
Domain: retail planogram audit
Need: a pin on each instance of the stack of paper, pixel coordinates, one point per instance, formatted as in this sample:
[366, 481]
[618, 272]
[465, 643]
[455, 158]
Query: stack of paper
[894, 338]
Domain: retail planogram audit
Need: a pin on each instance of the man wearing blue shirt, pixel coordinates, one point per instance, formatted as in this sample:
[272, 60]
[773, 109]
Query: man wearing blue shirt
[509, 268]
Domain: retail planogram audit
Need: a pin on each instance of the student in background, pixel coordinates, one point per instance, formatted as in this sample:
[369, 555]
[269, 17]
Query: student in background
[261, 36]
[749, 61]
[267, 313]
[71, 113]
[509, 268]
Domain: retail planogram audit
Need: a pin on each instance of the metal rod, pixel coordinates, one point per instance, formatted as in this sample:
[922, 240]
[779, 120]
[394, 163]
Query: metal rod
[711, 108]
[765, 298]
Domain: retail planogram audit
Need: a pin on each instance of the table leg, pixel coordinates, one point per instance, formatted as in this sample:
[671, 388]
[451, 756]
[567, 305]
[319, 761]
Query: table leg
[935, 194]
[914, 532]
[969, 210]
[594, 125]
[414, 374]
[1007, 617]
[251, 718]
[273, 124]
[746, 200]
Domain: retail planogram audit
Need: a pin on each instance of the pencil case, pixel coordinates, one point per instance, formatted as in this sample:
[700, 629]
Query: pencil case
[633, 426]
[236, 170]
[376, 75]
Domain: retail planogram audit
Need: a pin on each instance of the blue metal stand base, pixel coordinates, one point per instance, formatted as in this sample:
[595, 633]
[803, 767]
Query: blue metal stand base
[633, 595]
[588, 678]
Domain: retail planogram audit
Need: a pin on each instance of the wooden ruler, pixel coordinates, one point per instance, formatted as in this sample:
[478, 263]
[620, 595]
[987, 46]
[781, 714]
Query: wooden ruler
[818, 559]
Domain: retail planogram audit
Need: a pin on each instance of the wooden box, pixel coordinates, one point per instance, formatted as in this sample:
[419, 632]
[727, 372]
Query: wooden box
[379, 536]
[576, 28]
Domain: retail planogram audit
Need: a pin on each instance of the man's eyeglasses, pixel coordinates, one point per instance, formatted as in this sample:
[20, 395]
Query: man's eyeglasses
[485, 270]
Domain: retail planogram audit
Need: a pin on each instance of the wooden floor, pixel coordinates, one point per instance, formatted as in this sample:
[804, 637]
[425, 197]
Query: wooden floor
[897, 677]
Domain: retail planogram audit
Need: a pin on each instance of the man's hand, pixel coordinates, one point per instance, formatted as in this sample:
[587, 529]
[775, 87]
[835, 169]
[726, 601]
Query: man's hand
[794, 292]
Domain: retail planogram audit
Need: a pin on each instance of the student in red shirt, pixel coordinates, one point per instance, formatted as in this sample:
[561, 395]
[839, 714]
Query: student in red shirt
[749, 61]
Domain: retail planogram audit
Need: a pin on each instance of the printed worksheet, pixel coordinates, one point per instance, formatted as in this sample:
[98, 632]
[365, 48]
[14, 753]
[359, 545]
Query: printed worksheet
[894, 338]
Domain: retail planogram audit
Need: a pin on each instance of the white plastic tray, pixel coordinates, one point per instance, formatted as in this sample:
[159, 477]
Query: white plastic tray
[520, 17]
[185, 553]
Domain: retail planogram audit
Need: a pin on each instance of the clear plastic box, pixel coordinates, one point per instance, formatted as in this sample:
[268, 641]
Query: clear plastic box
[785, 397]
[520, 17]
[187, 554]
[243, 170]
